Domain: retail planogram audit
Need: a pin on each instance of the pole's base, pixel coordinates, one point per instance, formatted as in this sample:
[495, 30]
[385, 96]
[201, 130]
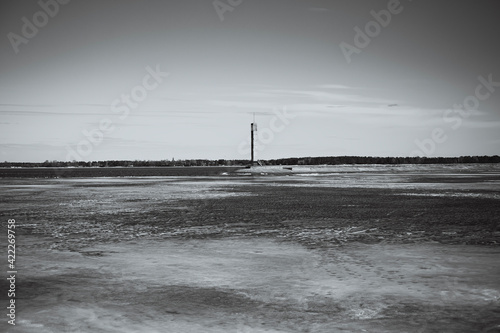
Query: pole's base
[254, 163]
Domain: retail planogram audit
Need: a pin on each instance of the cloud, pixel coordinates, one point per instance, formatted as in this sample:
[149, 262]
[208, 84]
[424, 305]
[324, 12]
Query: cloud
[18, 109]
[242, 104]
[334, 86]
[478, 123]
[52, 105]
[30, 146]
[42, 113]
[331, 97]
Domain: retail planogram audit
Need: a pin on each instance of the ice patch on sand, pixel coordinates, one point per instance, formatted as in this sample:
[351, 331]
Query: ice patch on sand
[455, 194]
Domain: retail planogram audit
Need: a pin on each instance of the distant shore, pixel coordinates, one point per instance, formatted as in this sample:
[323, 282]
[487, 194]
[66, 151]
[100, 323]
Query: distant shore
[240, 170]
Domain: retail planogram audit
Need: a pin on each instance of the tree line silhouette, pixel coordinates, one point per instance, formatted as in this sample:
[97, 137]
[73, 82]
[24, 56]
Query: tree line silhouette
[326, 160]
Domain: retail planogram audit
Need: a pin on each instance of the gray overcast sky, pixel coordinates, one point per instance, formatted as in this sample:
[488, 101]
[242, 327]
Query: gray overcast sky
[265, 56]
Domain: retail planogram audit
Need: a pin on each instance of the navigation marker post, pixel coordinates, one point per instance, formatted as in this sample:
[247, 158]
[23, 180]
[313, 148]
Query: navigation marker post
[253, 128]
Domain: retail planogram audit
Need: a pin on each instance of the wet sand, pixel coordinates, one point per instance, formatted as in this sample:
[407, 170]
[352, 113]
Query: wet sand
[259, 285]
[267, 253]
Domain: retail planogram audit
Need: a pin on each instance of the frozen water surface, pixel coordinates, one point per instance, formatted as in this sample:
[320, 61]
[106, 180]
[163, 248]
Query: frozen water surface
[257, 285]
[100, 281]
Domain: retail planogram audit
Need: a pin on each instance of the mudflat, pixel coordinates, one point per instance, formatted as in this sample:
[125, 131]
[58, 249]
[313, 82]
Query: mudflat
[347, 250]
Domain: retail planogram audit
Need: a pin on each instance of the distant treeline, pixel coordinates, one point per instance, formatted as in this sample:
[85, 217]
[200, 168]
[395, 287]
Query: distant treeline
[329, 160]
[332, 160]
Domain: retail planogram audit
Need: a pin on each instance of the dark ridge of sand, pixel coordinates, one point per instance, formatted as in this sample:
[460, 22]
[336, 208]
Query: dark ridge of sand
[114, 172]
[81, 212]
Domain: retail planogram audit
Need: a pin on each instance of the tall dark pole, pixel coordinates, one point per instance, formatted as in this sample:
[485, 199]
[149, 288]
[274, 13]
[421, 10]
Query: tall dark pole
[251, 131]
